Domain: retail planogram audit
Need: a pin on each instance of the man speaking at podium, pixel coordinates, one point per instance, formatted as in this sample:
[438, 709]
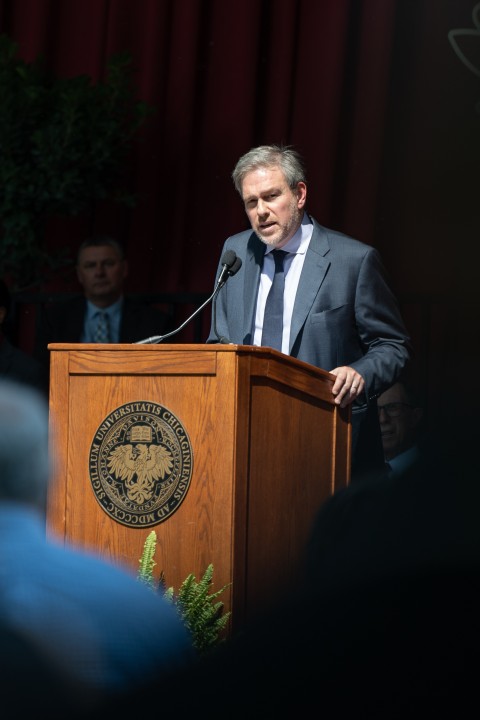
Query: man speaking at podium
[312, 293]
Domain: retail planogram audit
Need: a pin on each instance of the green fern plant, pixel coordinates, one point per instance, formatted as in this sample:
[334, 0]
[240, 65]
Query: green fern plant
[147, 561]
[200, 609]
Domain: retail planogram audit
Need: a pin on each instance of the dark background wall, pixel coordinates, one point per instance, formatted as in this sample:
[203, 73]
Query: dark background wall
[373, 93]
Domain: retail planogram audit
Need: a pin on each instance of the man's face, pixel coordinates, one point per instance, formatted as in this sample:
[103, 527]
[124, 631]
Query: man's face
[101, 272]
[398, 421]
[274, 210]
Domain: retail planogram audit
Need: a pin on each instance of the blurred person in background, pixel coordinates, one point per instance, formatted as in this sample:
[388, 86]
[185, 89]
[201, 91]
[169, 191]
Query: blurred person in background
[95, 622]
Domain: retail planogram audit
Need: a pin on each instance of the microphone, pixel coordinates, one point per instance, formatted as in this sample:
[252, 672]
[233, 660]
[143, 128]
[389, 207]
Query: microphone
[231, 265]
[234, 268]
[228, 260]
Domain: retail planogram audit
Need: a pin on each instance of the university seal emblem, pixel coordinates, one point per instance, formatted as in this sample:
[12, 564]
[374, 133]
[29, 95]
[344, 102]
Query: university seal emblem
[140, 464]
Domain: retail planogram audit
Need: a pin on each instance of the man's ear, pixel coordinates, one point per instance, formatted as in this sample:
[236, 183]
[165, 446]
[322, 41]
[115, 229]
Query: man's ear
[301, 194]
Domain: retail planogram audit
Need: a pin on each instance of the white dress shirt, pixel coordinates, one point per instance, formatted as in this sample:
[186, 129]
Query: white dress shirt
[293, 264]
[114, 313]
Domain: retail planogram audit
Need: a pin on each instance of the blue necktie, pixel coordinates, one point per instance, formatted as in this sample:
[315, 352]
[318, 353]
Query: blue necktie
[273, 318]
[102, 331]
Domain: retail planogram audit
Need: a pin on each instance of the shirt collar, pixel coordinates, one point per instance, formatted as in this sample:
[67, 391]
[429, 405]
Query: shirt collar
[110, 310]
[298, 244]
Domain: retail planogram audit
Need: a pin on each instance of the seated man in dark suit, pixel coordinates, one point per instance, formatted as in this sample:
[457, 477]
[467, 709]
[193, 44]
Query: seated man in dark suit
[400, 415]
[104, 313]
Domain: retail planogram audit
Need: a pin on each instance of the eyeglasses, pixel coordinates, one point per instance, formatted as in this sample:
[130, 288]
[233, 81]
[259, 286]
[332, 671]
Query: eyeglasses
[394, 409]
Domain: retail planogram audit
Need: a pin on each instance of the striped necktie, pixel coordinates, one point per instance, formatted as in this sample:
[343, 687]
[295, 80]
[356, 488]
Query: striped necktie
[273, 318]
[102, 330]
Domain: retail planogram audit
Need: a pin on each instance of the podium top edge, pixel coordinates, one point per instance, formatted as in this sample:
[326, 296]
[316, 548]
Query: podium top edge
[202, 347]
[252, 350]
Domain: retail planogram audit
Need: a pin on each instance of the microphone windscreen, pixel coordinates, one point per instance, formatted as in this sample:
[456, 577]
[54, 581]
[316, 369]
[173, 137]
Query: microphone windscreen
[235, 267]
[228, 258]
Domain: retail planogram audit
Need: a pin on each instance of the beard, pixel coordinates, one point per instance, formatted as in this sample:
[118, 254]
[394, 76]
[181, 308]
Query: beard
[285, 231]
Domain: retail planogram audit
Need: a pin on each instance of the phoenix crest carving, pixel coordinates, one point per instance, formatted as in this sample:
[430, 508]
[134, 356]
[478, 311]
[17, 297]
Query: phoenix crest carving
[140, 466]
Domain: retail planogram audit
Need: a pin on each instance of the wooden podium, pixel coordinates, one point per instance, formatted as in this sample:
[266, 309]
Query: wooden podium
[245, 445]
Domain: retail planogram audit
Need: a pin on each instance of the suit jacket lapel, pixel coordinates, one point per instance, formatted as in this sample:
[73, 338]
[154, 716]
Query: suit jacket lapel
[313, 274]
[253, 262]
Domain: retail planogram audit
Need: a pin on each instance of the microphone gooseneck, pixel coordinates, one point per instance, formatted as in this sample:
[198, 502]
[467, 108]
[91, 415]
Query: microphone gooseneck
[235, 265]
[230, 265]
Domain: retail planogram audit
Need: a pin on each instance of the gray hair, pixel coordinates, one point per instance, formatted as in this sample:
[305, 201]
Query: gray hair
[101, 241]
[267, 156]
[24, 455]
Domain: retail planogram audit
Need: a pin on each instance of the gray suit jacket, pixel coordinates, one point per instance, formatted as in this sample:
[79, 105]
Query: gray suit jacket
[345, 312]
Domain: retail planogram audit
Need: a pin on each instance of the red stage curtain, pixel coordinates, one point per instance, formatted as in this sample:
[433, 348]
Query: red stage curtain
[224, 76]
